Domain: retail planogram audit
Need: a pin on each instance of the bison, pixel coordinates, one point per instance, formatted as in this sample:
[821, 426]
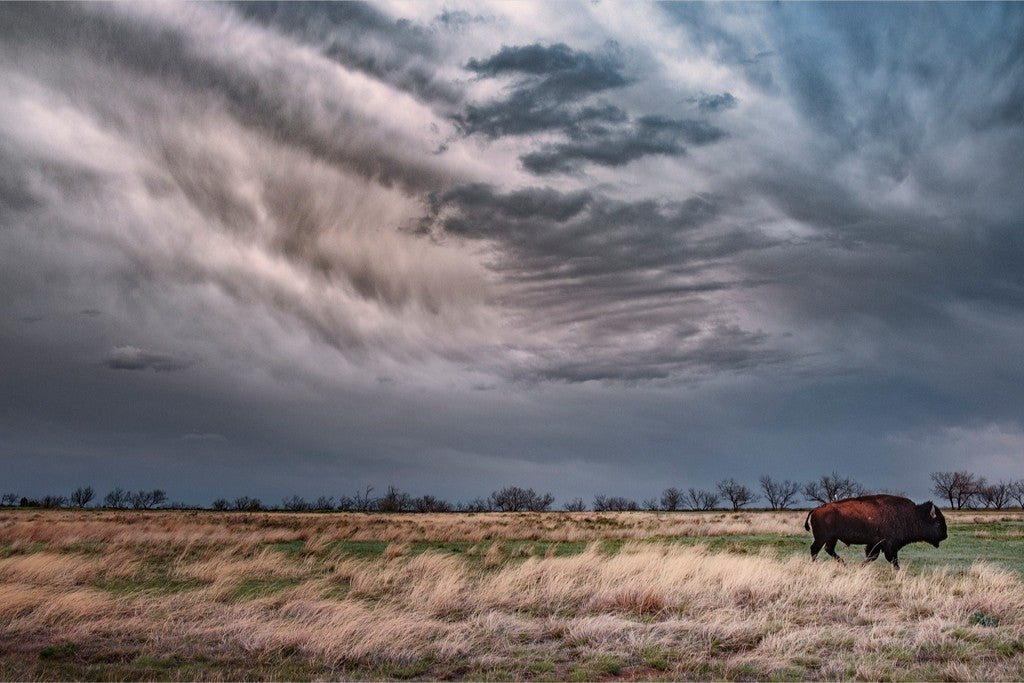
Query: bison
[882, 523]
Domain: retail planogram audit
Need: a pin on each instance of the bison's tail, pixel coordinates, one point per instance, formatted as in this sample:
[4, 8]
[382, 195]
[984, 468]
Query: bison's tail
[807, 522]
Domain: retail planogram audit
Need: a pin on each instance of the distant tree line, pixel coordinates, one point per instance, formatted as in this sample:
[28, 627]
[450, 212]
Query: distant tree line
[117, 499]
[964, 490]
[961, 490]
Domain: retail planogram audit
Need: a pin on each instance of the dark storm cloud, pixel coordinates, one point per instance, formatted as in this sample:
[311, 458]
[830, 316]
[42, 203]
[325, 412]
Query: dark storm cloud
[724, 349]
[588, 233]
[906, 256]
[360, 36]
[522, 113]
[648, 135]
[554, 80]
[556, 72]
[629, 279]
[132, 358]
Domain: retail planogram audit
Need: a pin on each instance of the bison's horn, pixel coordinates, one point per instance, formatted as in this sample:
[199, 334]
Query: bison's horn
[933, 510]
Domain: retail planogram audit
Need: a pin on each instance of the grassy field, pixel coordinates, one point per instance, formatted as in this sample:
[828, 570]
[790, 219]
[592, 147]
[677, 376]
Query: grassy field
[170, 595]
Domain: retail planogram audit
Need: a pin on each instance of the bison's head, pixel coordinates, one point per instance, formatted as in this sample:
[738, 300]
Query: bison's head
[933, 523]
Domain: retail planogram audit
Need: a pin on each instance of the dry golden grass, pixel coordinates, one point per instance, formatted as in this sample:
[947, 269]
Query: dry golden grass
[69, 528]
[207, 596]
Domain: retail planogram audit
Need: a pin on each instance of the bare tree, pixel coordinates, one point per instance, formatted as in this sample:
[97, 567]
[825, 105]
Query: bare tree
[996, 495]
[517, 499]
[431, 504]
[147, 500]
[737, 494]
[1017, 491]
[220, 504]
[394, 501]
[701, 500]
[779, 494]
[295, 504]
[247, 504]
[324, 503]
[604, 503]
[53, 501]
[540, 502]
[509, 499]
[959, 488]
[832, 487]
[363, 501]
[575, 505]
[671, 499]
[8, 499]
[116, 499]
[947, 485]
[82, 496]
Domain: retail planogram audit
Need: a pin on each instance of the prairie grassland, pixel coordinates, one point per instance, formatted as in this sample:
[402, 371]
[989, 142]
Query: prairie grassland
[583, 596]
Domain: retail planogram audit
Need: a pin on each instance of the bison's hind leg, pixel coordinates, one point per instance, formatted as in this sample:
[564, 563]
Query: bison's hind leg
[830, 548]
[816, 548]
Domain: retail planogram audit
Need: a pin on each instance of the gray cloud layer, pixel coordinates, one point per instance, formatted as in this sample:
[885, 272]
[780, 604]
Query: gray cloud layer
[788, 239]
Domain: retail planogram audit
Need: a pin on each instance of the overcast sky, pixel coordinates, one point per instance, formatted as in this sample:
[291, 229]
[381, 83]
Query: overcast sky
[587, 248]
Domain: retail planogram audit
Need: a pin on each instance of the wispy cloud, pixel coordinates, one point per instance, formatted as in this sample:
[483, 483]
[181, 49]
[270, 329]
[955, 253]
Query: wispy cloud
[133, 358]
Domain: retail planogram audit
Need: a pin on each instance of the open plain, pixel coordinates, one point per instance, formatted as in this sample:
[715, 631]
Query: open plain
[181, 595]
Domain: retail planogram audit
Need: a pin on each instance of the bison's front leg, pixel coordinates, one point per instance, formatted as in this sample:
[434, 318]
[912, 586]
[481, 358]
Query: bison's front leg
[891, 556]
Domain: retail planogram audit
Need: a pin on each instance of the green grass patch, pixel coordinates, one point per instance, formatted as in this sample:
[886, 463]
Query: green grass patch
[790, 673]
[81, 666]
[656, 658]
[7, 549]
[292, 548]
[543, 666]
[57, 652]
[982, 619]
[83, 548]
[998, 543]
[151, 663]
[153, 578]
[607, 665]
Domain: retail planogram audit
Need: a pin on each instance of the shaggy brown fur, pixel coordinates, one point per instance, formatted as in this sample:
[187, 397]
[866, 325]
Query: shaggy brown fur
[881, 523]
